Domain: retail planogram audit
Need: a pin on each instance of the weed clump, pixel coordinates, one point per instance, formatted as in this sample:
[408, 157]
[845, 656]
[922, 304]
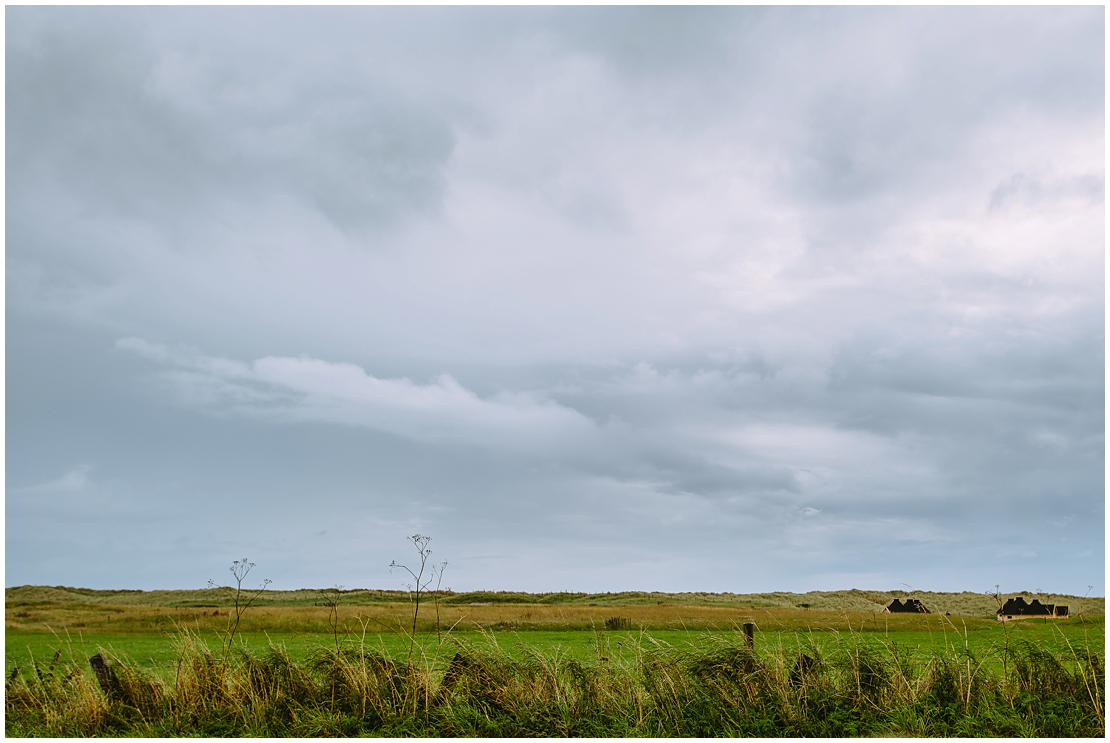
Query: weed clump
[616, 624]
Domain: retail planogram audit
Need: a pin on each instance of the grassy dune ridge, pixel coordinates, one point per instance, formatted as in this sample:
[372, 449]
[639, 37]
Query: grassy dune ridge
[965, 604]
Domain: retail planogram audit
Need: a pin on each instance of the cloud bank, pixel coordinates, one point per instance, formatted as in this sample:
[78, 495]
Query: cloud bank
[305, 389]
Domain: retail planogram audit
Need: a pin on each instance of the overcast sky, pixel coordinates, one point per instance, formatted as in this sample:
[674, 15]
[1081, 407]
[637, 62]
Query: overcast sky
[725, 299]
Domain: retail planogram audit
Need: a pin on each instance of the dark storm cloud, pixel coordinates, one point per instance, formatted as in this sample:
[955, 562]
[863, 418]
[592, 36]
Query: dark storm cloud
[668, 291]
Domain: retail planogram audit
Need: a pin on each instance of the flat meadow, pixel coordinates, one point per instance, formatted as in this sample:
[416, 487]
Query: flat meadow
[633, 664]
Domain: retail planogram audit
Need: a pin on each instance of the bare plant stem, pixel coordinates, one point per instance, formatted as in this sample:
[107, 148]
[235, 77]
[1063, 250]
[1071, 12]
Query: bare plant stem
[331, 598]
[420, 584]
[239, 570]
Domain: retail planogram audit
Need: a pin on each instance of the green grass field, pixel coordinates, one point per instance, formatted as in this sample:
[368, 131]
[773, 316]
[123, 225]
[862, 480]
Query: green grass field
[618, 643]
[157, 649]
[141, 625]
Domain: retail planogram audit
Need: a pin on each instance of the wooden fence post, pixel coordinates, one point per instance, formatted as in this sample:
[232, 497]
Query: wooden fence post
[105, 676]
[749, 634]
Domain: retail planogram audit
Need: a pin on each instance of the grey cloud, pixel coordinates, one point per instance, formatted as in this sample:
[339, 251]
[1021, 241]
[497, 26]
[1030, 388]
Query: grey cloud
[1021, 191]
[76, 479]
[884, 142]
[307, 389]
[661, 41]
[120, 121]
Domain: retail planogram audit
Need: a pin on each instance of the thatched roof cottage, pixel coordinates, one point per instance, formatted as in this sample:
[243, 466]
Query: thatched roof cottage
[1017, 608]
[912, 606]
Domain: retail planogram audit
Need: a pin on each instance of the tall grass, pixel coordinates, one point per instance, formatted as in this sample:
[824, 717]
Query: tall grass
[719, 686]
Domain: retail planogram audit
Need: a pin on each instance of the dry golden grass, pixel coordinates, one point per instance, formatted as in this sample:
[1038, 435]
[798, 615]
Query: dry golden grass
[392, 617]
[40, 608]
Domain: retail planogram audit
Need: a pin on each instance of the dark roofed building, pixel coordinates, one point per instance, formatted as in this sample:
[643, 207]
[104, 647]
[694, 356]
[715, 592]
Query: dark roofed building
[1017, 608]
[912, 606]
[1014, 607]
[1037, 609]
